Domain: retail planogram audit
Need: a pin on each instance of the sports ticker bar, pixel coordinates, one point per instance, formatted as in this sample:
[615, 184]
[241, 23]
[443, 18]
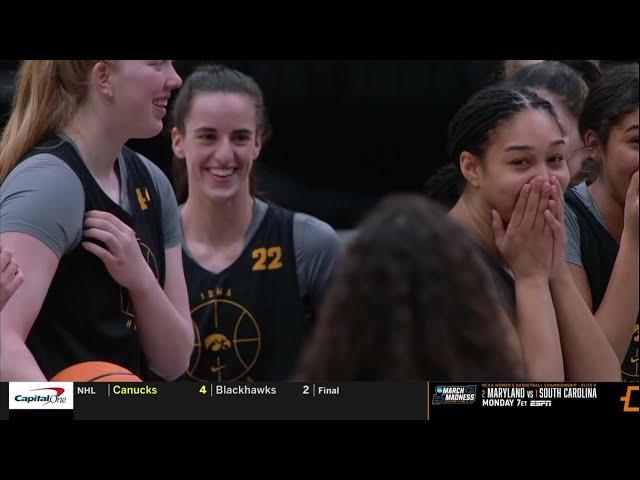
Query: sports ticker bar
[433, 401]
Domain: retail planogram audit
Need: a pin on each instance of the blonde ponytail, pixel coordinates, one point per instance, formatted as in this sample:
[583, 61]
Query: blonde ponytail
[47, 95]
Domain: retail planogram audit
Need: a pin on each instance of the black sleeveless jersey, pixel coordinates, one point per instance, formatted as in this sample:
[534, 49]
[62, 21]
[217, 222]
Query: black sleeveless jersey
[249, 319]
[598, 251]
[86, 315]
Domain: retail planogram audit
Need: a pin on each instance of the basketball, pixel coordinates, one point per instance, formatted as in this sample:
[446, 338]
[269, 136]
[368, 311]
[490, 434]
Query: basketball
[95, 372]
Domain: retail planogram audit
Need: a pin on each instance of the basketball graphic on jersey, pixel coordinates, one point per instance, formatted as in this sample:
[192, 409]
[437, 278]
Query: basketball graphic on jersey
[125, 301]
[227, 343]
[149, 257]
[631, 372]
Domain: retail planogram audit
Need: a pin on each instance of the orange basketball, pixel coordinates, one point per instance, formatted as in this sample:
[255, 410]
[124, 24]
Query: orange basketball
[95, 372]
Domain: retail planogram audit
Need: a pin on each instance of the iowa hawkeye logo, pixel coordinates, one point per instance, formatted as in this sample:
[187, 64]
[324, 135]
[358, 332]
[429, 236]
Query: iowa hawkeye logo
[227, 343]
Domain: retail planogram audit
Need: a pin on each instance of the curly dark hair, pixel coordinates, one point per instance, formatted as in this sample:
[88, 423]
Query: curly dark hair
[411, 301]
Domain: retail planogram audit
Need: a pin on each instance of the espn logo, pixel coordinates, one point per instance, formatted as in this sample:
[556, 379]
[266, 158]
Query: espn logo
[540, 403]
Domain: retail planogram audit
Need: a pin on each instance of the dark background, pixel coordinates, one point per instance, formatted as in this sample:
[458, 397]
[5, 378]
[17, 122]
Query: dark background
[344, 132]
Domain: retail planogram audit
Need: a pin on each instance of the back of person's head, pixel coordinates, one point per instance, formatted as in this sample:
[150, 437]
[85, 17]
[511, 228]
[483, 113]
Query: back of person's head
[215, 79]
[613, 95]
[47, 96]
[556, 78]
[589, 70]
[411, 301]
[470, 131]
[508, 68]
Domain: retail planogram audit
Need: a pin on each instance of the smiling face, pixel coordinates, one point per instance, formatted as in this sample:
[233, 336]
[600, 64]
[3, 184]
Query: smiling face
[619, 157]
[141, 91]
[528, 145]
[220, 143]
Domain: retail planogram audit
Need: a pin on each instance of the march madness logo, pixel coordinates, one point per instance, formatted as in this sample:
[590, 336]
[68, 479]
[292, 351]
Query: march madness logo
[454, 395]
[40, 395]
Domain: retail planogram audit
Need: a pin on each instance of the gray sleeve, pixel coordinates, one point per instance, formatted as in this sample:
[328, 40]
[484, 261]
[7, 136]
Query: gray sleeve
[44, 198]
[170, 213]
[573, 254]
[318, 251]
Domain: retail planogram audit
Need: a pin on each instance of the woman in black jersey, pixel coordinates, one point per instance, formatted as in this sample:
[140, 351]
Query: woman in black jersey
[508, 173]
[256, 272]
[92, 224]
[602, 213]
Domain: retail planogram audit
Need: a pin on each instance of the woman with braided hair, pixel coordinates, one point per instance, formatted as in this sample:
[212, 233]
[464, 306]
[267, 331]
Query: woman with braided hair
[509, 172]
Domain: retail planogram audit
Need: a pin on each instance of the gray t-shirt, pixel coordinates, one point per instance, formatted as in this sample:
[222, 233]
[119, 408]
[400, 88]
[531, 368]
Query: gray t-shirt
[42, 197]
[573, 253]
[317, 248]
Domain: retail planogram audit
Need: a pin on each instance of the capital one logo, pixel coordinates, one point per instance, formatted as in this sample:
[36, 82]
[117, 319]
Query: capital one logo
[627, 399]
[40, 395]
